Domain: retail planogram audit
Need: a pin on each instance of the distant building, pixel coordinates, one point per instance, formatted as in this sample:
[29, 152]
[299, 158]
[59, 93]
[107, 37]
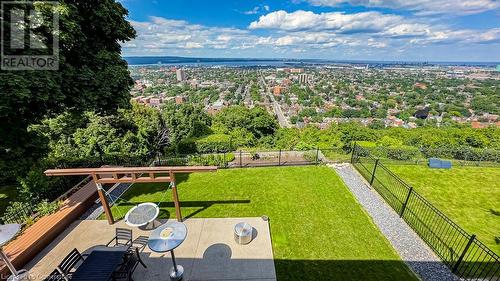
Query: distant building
[479, 125]
[194, 84]
[181, 75]
[179, 100]
[155, 102]
[277, 90]
[296, 70]
[303, 78]
[421, 86]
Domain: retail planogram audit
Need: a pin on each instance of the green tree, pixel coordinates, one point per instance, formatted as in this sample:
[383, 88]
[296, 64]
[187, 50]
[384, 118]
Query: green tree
[91, 76]
[255, 120]
[185, 121]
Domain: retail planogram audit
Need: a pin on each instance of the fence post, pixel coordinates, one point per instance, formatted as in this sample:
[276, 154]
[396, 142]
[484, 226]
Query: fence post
[317, 155]
[406, 202]
[460, 259]
[241, 164]
[279, 158]
[373, 173]
[352, 152]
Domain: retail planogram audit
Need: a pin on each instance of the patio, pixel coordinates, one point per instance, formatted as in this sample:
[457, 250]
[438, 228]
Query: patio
[208, 253]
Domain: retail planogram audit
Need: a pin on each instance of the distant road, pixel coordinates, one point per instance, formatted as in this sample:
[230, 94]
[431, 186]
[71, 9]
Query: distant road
[276, 107]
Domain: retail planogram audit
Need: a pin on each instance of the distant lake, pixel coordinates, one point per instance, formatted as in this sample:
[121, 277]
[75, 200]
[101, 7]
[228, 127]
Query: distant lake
[250, 62]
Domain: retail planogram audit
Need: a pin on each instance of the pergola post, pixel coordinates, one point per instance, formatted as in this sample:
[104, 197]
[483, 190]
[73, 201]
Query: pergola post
[108, 175]
[175, 196]
[105, 203]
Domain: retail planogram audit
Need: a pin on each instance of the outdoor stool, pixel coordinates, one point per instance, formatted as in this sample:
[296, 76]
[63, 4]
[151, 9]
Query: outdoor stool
[243, 233]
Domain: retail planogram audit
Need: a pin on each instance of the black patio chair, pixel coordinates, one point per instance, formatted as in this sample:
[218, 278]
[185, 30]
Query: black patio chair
[55, 276]
[127, 268]
[69, 263]
[140, 243]
[123, 237]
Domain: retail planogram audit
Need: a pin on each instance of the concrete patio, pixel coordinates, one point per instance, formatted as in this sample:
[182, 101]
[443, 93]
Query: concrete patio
[208, 253]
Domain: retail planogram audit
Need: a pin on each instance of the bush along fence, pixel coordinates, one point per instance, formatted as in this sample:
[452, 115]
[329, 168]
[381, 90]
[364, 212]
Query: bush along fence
[51, 192]
[25, 213]
[257, 158]
[462, 156]
[462, 252]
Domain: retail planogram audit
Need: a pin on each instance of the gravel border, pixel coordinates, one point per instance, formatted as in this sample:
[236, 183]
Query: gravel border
[412, 250]
[96, 210]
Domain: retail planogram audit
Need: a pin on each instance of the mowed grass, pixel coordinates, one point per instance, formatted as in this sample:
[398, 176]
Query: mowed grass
[468, 195]
[319, 231]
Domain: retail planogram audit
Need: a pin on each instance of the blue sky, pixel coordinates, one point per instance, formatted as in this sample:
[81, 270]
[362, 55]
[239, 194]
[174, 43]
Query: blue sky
[416, 30]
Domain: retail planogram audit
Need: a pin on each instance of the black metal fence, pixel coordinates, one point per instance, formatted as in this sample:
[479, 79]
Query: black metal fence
[462, 252]
[459, 156]
[258, 158]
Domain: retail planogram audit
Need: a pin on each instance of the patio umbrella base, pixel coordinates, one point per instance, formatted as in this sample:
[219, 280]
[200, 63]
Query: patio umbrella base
[20, 275]
[176, 275]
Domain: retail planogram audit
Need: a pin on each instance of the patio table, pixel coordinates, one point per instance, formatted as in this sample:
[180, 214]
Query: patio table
[7, 233]
[142, 214]
[166, 238]
[100, 265]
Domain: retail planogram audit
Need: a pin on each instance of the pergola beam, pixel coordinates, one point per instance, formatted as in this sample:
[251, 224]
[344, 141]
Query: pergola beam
[128, 170]
[131, 175]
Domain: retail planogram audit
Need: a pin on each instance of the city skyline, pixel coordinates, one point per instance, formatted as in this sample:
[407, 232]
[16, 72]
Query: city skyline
[317, 29]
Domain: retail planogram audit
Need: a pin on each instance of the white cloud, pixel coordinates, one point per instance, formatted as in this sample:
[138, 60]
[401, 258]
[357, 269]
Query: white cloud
[335, 21]
[287, 33]
[253, 11]
[258, 10]
[354, 26]
[423, 7]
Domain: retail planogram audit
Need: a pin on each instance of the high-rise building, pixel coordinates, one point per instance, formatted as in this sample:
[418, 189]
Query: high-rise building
[303, 78]
[181, 75]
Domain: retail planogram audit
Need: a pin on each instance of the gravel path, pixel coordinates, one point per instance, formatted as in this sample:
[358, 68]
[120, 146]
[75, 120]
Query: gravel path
[413, 251]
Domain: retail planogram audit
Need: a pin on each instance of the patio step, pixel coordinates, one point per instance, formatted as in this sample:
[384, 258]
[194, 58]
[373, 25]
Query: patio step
[39, 235]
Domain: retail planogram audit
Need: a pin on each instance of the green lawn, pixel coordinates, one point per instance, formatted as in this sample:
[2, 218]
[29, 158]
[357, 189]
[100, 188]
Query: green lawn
[316, 223]
[468, 195]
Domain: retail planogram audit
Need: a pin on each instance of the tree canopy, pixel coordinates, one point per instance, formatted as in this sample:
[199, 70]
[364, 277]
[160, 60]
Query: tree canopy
[91, 76]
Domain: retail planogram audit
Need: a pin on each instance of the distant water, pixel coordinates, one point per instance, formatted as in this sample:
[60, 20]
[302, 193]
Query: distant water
[250, 62]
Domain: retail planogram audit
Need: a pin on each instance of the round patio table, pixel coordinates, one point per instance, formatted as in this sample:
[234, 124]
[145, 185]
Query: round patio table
[166, 238]
[7, 232]
[142, 214]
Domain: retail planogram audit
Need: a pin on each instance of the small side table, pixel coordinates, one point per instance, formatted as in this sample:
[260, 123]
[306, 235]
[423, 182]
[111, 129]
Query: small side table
[166, 238]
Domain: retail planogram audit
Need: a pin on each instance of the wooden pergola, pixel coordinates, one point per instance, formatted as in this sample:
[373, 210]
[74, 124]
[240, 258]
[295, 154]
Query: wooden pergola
[131, 175]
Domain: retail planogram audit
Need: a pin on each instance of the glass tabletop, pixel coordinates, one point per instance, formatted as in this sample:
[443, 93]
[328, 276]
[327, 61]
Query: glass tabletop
[142, 214]
[167, 237]
[8, 231]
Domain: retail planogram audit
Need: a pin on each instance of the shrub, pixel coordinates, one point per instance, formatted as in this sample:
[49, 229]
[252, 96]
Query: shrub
[210, 159]
[46, 208]
[17, 212]
[402, 153]
[206, 144]
[304, 146]
[214, 143]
